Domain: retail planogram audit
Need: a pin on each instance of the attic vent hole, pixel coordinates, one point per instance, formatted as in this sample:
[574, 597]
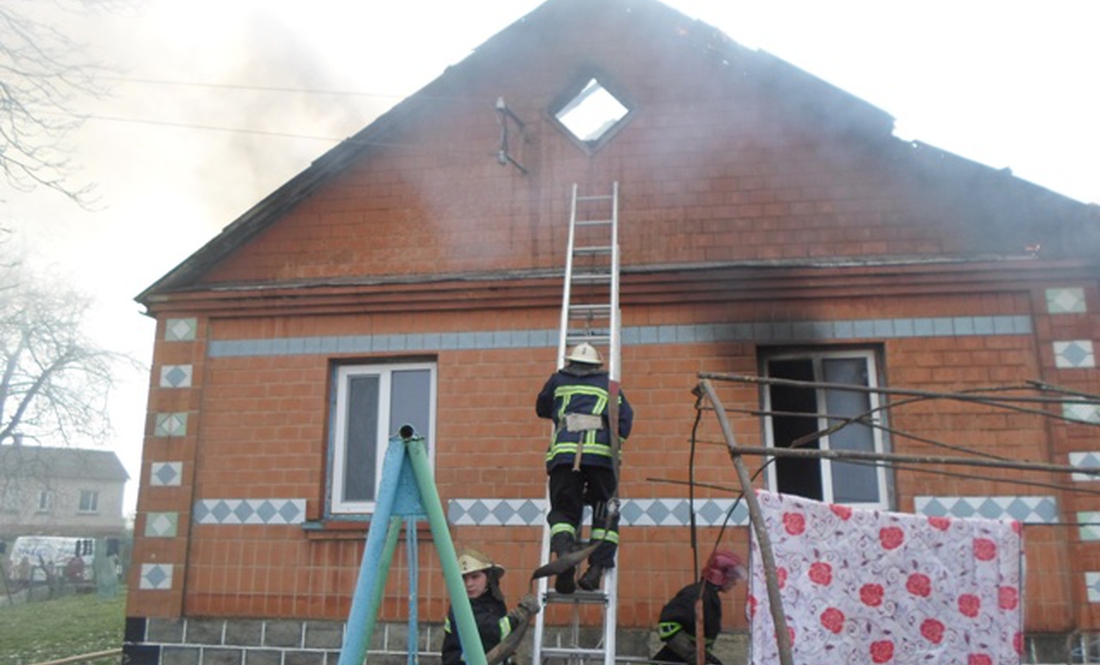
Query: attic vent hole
[591, 113]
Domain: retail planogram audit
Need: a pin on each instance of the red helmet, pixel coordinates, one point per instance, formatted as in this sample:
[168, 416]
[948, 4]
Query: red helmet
[724, 568]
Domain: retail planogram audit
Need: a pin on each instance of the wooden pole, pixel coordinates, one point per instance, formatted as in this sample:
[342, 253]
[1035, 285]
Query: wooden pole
[867, 456]
[782, 637]
[85, 658]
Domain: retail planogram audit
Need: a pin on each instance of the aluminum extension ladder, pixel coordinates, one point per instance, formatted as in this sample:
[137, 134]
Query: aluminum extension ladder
[589, 313]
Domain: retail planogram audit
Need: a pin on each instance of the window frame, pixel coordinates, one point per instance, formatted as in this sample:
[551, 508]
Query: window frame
[881, 441]
[573, 90]
[45, 501]
[341, 373]
[94, 508]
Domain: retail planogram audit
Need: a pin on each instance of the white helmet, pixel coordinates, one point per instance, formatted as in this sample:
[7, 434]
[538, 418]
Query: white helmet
[472, 560]
[585, 353]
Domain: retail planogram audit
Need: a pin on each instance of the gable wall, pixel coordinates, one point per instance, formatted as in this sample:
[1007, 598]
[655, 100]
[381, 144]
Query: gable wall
[739, 173]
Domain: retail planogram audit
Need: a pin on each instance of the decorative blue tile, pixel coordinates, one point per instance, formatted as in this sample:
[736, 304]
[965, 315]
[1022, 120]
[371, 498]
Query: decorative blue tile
[161, 525]
[1089, 525]
[963, 325]
[864, 328]
[1074, 354]
[1027, 509]
[1082, 412]
[983, 325]
[156, 576]
[943, 327]
[844, 329]
[249, 511]
[180, 330]
[170, 424]
[760, 332]
[1066, 300]
[634, 512]
[884, 328]
[742, 332]
[175, 376]
[1085, 460]
[1092, 586]
[803, 330]
[165, 474]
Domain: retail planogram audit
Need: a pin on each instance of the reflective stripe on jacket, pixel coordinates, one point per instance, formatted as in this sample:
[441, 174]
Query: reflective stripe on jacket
[493, 625]
[679, 613]
[581, 390]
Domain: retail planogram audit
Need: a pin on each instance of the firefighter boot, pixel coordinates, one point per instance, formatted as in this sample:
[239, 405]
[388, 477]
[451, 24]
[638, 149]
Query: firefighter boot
[562, 544]
[590, 581]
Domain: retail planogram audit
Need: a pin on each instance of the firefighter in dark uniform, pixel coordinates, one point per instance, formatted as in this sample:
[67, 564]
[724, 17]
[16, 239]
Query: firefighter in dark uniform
[576, 398]
[676, 627]
[494, 622]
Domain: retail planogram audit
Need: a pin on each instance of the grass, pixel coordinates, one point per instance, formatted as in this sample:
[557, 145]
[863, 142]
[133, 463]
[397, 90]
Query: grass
[51, 629]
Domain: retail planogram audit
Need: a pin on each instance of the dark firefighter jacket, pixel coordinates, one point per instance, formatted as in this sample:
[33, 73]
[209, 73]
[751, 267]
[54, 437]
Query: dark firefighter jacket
[581, 389]
[493, 624]
[678, 615]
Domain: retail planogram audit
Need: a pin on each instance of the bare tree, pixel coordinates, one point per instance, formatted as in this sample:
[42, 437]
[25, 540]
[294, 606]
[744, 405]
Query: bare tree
[43, 74]
[55, 381]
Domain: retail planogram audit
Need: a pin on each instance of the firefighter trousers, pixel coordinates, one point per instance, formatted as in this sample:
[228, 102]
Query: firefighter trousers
[570, 491]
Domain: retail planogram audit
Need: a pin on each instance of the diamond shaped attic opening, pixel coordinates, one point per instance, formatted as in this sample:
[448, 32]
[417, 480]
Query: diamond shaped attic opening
[591, 114]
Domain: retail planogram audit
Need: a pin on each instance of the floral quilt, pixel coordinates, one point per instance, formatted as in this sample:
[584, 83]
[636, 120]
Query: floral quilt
[871, 586]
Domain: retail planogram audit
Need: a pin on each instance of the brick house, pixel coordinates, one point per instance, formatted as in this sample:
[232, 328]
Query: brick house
[770, 225]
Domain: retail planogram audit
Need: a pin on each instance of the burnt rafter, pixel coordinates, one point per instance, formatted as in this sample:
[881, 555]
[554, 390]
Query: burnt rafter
[641, 286]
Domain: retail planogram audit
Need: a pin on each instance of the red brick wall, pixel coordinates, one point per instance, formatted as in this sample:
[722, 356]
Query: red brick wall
[263, 434]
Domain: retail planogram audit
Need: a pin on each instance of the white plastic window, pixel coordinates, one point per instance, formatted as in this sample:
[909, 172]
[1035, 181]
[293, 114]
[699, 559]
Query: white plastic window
[803, 415]
[372, 402]
[89, 501]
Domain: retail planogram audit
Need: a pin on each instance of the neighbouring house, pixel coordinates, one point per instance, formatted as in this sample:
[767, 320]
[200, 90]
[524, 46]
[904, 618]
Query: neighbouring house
[771, 225]
[74, 492]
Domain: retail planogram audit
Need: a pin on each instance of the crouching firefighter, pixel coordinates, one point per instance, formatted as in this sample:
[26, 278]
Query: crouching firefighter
[481, 577]
[579, 463]
[677, 625]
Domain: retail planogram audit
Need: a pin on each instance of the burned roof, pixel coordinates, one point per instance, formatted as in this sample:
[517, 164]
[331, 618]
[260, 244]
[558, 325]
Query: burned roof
[531, 40]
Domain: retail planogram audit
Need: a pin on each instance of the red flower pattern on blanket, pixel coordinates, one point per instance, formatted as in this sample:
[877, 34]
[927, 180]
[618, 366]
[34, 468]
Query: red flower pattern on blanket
[871, 586]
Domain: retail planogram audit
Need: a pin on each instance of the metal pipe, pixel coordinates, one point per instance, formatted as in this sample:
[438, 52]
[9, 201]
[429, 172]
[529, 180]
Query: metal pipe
[473, 650]
[392, 533]
[365, 599]
[414, 569]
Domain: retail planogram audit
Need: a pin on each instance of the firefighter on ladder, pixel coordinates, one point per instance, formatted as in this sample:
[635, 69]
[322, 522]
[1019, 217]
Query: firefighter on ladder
[580, 464]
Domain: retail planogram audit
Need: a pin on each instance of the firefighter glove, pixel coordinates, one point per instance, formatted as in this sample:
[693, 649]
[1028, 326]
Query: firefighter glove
[529, 606]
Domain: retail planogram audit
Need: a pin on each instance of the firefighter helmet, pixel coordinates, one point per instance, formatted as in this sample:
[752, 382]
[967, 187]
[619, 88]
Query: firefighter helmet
[723, 568]
[585, 353]
[471, 561]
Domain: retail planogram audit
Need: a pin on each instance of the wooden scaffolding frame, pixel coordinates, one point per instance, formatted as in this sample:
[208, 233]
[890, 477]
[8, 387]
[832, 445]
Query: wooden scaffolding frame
[1003, 397]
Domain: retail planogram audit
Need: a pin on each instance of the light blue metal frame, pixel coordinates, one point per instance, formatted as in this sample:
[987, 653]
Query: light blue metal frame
[407, 489]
